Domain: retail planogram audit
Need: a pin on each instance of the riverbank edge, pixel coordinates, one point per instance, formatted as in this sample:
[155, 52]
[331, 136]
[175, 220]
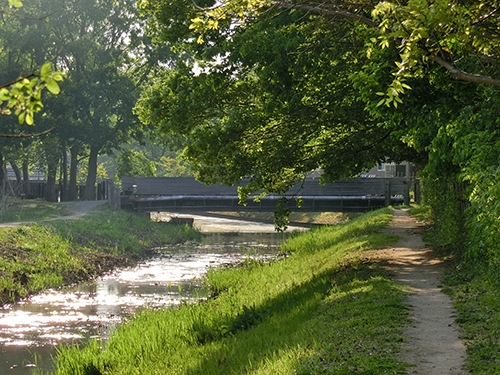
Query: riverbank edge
[35, 257]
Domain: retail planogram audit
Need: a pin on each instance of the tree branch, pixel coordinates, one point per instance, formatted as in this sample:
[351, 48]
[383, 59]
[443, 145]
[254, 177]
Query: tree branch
[25, 135]
[18, 80]
[461, 75]
[328, 12]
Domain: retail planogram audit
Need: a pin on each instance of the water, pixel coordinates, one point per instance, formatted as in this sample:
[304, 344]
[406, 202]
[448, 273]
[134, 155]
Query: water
[31, 330]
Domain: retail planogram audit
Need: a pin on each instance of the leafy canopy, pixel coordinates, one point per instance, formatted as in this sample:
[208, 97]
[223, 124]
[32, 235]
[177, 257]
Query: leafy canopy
[23, 96]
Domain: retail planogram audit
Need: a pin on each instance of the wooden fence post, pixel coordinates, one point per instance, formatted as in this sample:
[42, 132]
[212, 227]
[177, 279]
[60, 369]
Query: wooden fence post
[407, 193]
[113, 195]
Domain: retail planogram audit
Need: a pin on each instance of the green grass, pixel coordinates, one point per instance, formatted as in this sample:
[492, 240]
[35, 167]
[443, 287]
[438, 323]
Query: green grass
[323, 308]
[120, 232]
[478, 304]
[475, 291]
[51, 254]
[32, 210]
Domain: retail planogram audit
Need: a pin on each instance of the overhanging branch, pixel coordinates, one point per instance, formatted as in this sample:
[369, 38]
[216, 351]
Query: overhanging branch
[25, 135]
[318, 9]
[461, 75]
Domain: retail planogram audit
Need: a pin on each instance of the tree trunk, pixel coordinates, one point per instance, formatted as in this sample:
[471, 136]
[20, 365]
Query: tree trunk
[19, 179]
[2, 177]
[92, 174]
[26, 177]
[50, 188]
[64, 171]
[72, 192]
[16, 170]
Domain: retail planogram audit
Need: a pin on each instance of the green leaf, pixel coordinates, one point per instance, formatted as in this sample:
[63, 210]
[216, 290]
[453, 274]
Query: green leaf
[58, 76]
[33, 82]
[4, 94]
[21, 118]
[29, 118]
[45, 71]
[53, 87]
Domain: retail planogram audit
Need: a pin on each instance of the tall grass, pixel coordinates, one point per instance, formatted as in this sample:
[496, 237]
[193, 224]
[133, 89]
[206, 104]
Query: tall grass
[324, 308]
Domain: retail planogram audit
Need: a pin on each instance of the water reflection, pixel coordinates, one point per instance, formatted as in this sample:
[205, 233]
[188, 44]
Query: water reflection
[30, 330]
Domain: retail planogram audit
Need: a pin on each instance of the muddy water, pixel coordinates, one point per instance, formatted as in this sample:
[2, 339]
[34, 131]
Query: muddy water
[31, 330]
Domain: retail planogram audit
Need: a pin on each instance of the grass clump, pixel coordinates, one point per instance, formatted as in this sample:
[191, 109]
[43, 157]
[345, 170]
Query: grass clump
[322, 309]
[33, 258]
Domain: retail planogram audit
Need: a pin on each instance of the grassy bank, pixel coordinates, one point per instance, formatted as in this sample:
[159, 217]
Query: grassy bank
[31, 210]
[38, 256]
[474, 288]
[323, 308]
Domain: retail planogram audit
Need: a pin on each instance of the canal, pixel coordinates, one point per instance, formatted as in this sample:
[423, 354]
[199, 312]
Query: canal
[31, 330]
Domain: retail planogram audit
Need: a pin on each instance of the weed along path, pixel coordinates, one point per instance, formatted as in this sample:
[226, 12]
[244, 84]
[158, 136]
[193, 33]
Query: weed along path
[433, 344]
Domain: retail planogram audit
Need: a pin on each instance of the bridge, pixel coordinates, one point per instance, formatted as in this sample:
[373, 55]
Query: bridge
[185, 194]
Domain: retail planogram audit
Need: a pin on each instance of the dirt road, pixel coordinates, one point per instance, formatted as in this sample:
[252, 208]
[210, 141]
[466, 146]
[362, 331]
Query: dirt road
[433, 343]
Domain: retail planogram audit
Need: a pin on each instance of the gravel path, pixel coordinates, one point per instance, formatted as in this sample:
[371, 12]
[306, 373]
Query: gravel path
[433, 339]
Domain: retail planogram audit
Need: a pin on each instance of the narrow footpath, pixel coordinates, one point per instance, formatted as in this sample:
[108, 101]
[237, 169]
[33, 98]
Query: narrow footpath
[432, 342]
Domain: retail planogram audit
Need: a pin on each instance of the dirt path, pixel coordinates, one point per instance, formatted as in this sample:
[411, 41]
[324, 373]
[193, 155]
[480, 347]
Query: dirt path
[433, 344]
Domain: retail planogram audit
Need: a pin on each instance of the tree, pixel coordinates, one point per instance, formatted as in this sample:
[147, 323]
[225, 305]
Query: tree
[22, 85]
[285, 87]
[132, 163]
[461, 37]
[95, 113]
[280, 104]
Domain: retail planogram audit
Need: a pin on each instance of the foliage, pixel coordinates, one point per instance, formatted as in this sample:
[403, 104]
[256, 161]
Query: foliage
[274, 115]
[459, 36]
[320, 309]
[23, 94]
[173, 167]
[133, 163]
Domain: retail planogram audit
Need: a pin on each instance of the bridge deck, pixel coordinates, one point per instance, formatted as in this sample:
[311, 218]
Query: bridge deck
[187, 194]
